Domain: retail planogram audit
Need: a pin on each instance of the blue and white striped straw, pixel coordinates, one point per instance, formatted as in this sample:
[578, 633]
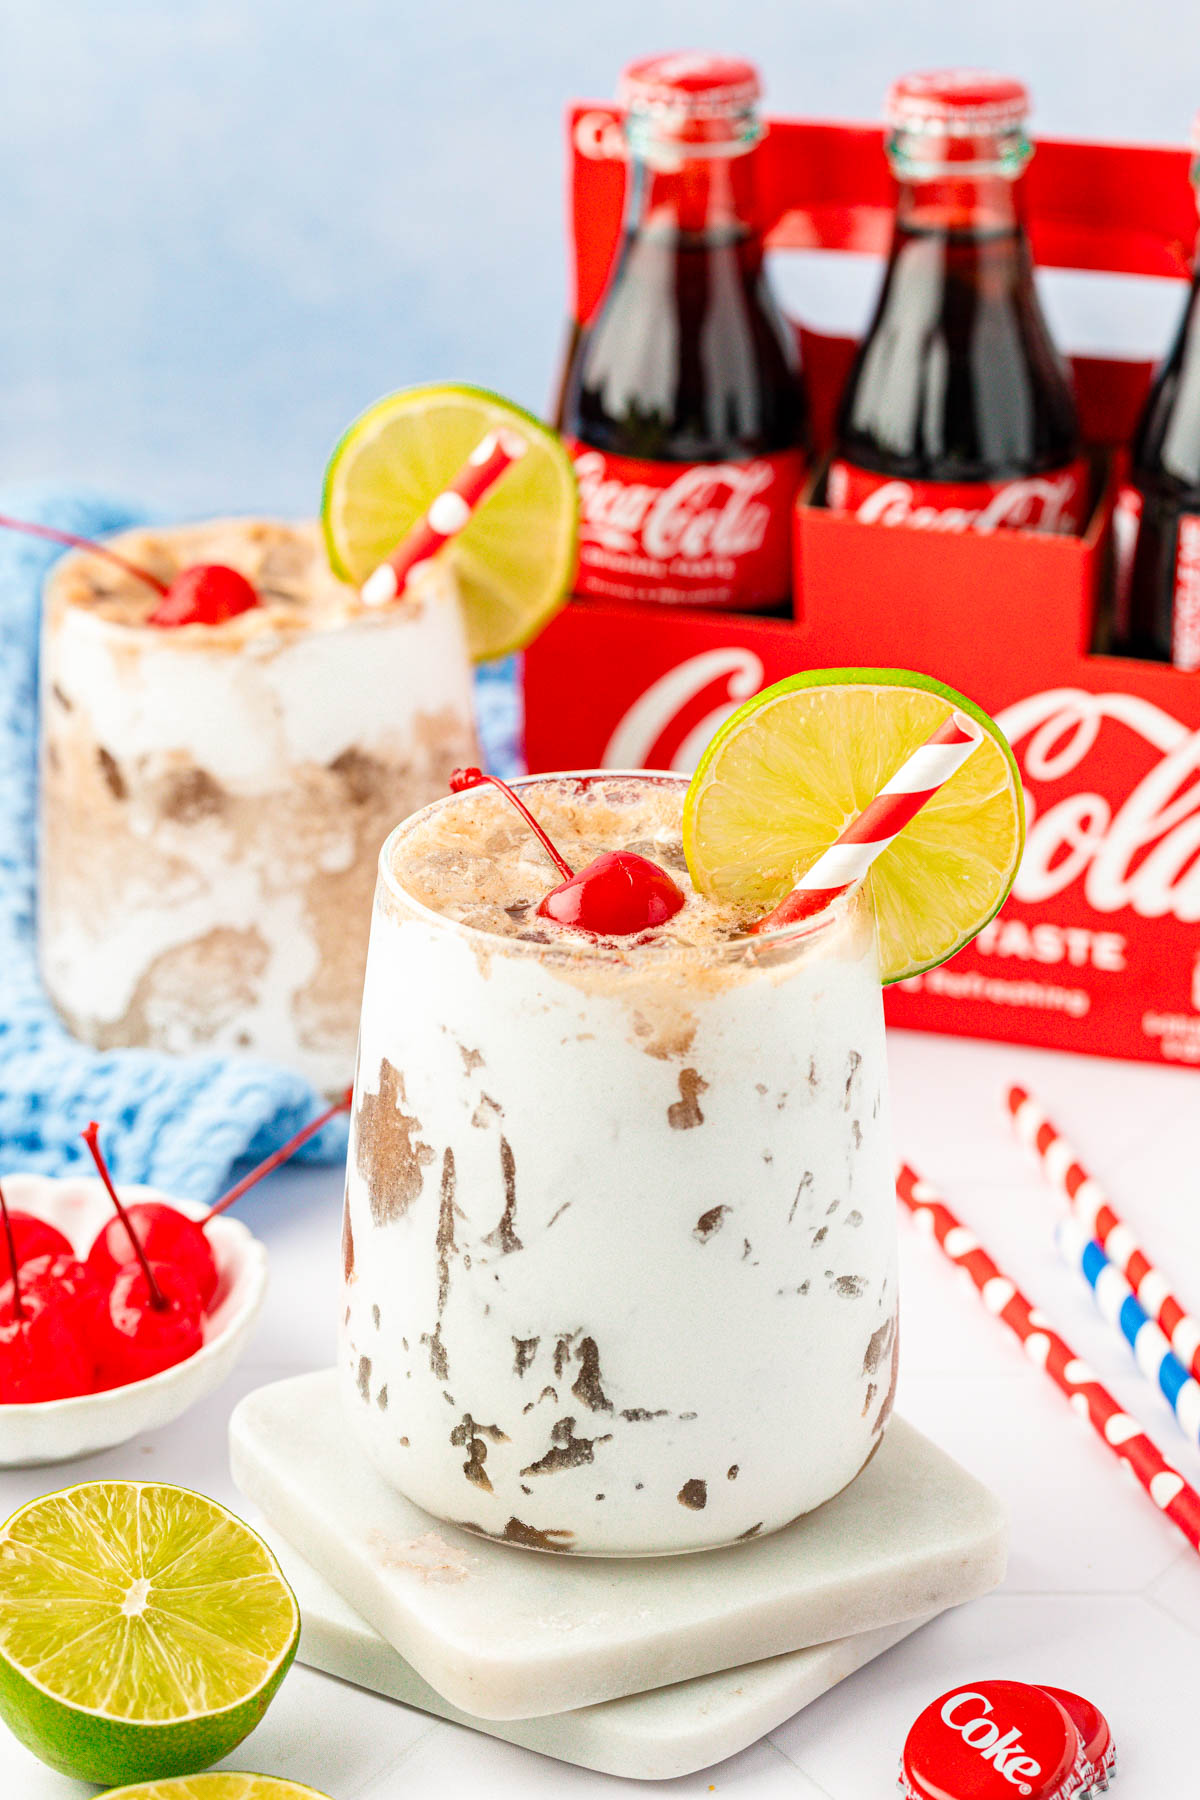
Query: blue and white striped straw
[1119, 1304]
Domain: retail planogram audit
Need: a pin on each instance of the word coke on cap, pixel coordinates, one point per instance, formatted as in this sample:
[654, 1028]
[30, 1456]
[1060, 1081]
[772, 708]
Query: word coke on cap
[995, 1740]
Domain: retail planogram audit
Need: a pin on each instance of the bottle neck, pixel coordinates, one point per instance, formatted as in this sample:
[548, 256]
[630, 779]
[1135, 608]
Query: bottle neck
[968, 186]
[985, 207]
[689, 190]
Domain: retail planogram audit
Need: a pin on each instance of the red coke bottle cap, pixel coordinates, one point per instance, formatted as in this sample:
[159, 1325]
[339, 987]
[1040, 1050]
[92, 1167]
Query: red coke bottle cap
[993, 1740]
[693, 83]
[956, 102]
[1093, 1728]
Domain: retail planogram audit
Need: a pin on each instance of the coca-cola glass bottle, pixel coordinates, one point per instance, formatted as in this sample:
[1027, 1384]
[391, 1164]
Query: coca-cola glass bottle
[958, 414]
[682, 399]
[1158, 511]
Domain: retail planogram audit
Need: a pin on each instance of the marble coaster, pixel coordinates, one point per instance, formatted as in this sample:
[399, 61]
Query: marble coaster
[505, 1633]
[667, 1732]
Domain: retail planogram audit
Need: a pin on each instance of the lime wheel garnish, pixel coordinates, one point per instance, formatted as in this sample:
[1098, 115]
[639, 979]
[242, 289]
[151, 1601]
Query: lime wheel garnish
[514, 558]
[792, 767]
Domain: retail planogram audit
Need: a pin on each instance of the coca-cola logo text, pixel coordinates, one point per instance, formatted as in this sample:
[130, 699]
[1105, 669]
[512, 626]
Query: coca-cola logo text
[1136, 850]
[710, 509]
[650, 718]
[1004, 1750]
[1047, 502]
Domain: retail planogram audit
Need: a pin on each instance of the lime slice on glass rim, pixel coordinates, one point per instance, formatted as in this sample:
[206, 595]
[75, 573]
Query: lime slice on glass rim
[514, 558]
[796, 763]
[144, 1630]
[217, 1787]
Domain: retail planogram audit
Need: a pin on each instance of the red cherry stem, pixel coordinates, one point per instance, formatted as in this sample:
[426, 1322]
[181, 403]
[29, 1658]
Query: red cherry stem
[463, 779]
[81, 543]
[276, 1157]
[158, 1299]
[18, 1303]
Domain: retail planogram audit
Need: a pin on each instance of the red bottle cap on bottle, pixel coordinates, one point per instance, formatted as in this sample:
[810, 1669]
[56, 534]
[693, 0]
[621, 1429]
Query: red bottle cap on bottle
[693, 83]
[1094, 1732]
[957, 102]
[993, 1740]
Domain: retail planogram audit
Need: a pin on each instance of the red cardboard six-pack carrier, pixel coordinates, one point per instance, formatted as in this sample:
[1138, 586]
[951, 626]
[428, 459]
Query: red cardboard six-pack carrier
[1098, 948]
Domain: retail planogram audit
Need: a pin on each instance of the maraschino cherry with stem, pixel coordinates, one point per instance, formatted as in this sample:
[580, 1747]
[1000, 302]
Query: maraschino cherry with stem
[618, 894]
[62, 1284]
[32, 1237]
[166, 1235]
[205, 594]
[43, 1355]
[59, 1281]
[151, 1322]
[154, 1315]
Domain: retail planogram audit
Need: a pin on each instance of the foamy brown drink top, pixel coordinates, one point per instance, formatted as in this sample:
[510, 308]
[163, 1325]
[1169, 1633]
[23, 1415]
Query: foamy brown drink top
[285, 563]
[473, 858]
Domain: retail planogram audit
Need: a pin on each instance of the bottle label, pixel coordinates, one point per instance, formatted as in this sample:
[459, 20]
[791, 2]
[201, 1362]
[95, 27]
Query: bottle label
[686, 534]
[1054, 501]
[1185, 616]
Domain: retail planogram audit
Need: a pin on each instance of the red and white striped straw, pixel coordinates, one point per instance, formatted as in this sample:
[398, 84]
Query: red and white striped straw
[446, 515]
[848, 858]
[1070, 1374]
[1090, 1205]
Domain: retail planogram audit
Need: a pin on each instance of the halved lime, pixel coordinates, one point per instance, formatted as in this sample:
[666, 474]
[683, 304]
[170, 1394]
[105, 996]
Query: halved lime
[514, 558]
[796, 763]
[143, 1630]
[217, 1787]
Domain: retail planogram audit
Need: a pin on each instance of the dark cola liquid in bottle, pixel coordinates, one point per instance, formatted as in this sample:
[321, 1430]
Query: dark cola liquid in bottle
[1158, 511]
[959, 414]
[682, 401]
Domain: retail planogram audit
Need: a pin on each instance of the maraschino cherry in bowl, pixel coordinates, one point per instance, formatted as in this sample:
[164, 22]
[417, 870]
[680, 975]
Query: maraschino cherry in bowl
[54, 1430]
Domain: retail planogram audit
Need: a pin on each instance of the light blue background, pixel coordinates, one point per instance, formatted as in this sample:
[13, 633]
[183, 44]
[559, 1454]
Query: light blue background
[227, 227]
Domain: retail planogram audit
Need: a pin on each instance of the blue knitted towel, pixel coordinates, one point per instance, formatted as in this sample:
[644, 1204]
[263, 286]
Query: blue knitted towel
[178, 1123]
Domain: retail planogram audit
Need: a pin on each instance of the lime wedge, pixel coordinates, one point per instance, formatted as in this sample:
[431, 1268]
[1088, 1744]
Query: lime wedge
[217, 1787]
[514, 558]
[143, 1630]
[792, 767]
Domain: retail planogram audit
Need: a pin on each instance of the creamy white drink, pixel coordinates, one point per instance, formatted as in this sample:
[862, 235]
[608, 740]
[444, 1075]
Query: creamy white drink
[214, 796]
[619, 1240]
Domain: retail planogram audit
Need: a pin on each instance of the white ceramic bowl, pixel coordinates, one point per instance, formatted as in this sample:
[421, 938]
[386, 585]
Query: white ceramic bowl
[47, 1431]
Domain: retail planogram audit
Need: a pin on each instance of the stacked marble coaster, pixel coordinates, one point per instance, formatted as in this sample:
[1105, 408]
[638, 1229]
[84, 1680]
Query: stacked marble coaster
[649, 1667]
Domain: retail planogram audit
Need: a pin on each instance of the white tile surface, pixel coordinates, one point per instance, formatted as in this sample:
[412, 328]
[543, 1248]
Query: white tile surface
[458, 1765]
[1119, 1618]
[1070, 1533]
[335, 1737]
